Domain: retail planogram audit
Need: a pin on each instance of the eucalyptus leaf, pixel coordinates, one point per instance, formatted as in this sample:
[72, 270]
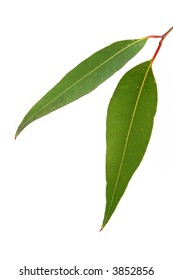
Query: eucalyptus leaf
[129, 124]
[84, 78]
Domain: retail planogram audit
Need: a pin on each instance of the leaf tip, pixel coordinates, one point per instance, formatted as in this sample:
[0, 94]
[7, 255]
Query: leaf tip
[18, 131]
[102, 227]
[16, 134]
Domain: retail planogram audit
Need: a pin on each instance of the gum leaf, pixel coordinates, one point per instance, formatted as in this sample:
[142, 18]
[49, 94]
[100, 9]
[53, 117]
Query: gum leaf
[129, 124]
[84, 78]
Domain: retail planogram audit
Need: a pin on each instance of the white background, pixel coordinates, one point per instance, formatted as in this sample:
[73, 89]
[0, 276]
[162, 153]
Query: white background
[52, 179]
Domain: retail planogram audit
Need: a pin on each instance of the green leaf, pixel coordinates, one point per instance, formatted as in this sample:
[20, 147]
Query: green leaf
[130, 119]
[84, 78]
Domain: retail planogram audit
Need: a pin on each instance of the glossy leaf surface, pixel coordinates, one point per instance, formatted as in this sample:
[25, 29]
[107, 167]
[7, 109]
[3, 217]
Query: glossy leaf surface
[129, 124]
[84, 78]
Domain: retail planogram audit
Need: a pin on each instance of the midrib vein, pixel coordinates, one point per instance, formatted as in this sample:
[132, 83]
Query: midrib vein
[127, 139]
[95, 69]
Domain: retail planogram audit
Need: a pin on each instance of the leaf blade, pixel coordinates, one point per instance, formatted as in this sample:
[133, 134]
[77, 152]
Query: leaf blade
[84, 78]
[128, 135]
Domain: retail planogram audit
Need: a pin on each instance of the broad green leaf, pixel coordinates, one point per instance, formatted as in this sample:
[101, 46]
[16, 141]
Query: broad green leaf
[84, 78]
[130, 119]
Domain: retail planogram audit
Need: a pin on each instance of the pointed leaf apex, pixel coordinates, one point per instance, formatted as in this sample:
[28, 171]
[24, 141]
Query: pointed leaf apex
[102, 227]
[17, 133]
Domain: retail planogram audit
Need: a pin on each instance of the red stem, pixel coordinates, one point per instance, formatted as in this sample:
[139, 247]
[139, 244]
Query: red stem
[157, 50]
[160, 42]
[164, 35]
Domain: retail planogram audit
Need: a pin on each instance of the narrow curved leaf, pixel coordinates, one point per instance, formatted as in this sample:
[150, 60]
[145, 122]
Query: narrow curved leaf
[84, 78]
[129, 125]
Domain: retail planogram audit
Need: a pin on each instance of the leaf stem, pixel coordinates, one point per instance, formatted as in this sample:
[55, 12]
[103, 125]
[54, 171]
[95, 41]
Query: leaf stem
[157, 50]
[160, 42]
